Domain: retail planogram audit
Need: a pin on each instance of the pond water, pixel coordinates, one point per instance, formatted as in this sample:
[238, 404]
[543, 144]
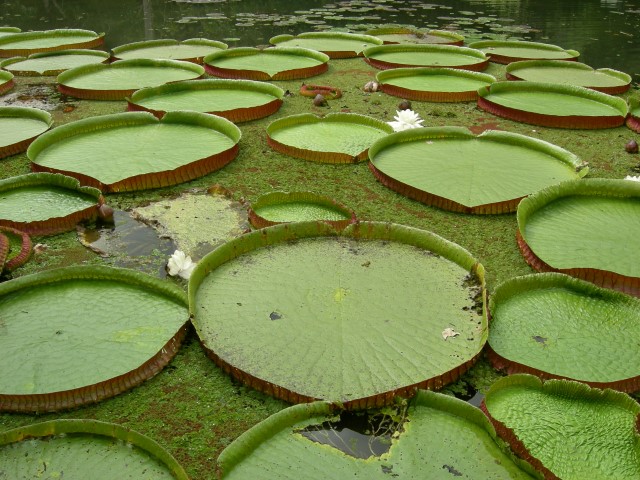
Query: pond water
[606, 32]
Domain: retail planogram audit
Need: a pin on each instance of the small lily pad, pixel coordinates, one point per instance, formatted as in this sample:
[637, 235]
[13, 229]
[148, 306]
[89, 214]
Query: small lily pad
[192, 50]
[333, 44]
[117, 80]
[281, 207]
[335, 138]
[19, 126]
[24, 44]
[268, 64]
[52, 63]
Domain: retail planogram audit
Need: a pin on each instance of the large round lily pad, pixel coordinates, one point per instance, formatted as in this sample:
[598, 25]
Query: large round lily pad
[25, 43]
[504, 51]
[192, 50]
[556, 326]
[408, 35]
[280, 207]
[46, 203]
[19, 126]
[340, 323]
[451, 168]
[585, 229]
[235, 100]
[53, 63]
[117, 80]
[334, 44]
[553, 105]
[433, 84]
[334, 138]
[6, 82]
[438, 437]
[135, 150]
[566, 429]
[441, 56]
[603, 80]
[268, 64]
[77, 335]
[84, 449]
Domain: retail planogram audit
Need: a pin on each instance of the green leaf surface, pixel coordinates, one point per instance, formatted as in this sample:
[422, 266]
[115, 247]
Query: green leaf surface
[21, 123]
[270, 61]
[435, 79]
[566, 327]
[522, 49]
[69, 328]
[454, 164]
[278, 207]
[324, 329]
[47, 39]
[570, 73]
[53, 63]
[83, 449]
[584, 225]
[406, 35]
[327, 42]
[574, 431]
[425, 55]
[442, 438]
[194, 48]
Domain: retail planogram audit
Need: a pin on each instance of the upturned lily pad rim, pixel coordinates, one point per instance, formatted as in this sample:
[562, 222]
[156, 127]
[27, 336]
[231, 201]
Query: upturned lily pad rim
[434, 133]
[335, 54]
[6, 81]
[250, 74]
[95, 428]
[481, 60]
[452, 37]
[6, 40]
[384, 76]
[502, 58]
[586, 187]
[143, 180]
[235, 115]
[310, 118]
[624, 78]
[552, 280]
[169, 42]
[633, 120]
[280, 198]
[566, 389]
[284, 232]
[10, 30]
[57, 224]
[553, 120]
[58, 53]
[23, 112]
[119, 94]
[10, 263]
[317, 412]
[62, 400]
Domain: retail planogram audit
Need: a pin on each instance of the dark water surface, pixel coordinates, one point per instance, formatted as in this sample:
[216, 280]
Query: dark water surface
[606, 32]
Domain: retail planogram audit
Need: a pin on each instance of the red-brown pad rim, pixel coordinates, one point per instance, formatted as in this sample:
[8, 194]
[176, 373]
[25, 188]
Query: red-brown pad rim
[316, 156]
[384, 65]
[292, 74]
[633, 123]
[608, 90]
[22, 256]
[426, 96]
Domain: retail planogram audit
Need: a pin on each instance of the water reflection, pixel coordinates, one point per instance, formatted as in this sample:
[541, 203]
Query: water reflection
[604, 31]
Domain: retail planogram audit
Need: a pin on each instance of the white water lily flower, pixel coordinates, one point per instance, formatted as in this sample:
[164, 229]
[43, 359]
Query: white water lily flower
[181, 265]
[406, 119]
[632, 178]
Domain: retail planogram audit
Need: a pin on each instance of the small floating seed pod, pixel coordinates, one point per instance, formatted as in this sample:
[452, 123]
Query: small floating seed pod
[319, 100]
[631, 146]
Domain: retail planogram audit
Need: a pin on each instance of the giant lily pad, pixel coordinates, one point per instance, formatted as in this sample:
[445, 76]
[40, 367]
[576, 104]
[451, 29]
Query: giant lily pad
[500, 51]
[459, 440]
[8, 31]
[553, 105]
[585, 229]
[335, 138]
[268, 64]
[334, 44]
[340, 298]
[408, 35]
[84, 449]
[279, 207]
[25, 43]
[235, 100]
[19, 126]
[46, 203]
[566, 429]
[556, 326]
[135, 150]
[633, 120]
[6, 82]
[603, 80]
[53, 63]
[192, 50]
[433, 84]
[116, 81]
[77, 335]
[407, 55]
[450, 168]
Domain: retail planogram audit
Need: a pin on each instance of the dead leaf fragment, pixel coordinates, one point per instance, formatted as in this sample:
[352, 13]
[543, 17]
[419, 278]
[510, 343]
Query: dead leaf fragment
[449, 332]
